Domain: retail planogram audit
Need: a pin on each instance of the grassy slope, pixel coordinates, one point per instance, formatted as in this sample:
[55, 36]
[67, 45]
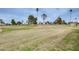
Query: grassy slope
[70, 42]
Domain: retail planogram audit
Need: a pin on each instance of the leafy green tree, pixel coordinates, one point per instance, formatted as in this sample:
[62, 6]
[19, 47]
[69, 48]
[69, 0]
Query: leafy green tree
[59, 21]
[32, 20]
[13, 22]
[35, 21]
[19, 23]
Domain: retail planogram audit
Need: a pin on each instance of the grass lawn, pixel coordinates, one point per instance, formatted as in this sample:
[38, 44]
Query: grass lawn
[12, 28]
[70, 42]
[72, 39]
[40, 38]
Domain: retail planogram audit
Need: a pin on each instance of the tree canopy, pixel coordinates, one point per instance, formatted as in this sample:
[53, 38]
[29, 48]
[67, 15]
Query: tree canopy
[19, 23]
[32, 20]
[13, 22]
[59, 21]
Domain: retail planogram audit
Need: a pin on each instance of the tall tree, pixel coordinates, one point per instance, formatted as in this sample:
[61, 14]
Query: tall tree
[32, 20]
[13, 22]
[37, 9]
[59, 21]
[35, 21]
[70, 14]
[44, 16]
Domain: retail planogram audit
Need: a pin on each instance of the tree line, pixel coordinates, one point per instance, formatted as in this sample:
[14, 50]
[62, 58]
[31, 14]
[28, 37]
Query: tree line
[33, 20]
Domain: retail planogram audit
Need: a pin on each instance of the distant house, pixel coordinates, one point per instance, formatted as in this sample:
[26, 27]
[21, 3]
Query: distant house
[74, 23]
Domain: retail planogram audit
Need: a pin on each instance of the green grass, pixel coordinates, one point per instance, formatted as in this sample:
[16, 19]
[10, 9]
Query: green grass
[70, 42]
[72, 39]
[27, 49]
[12, 28]
[7, 30]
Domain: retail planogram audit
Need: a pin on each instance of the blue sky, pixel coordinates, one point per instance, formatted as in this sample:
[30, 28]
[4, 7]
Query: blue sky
[20, 14]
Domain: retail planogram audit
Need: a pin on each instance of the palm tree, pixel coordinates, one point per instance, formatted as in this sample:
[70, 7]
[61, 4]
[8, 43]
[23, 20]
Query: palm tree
[70, 13]
[37, 9]
[44, 16]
